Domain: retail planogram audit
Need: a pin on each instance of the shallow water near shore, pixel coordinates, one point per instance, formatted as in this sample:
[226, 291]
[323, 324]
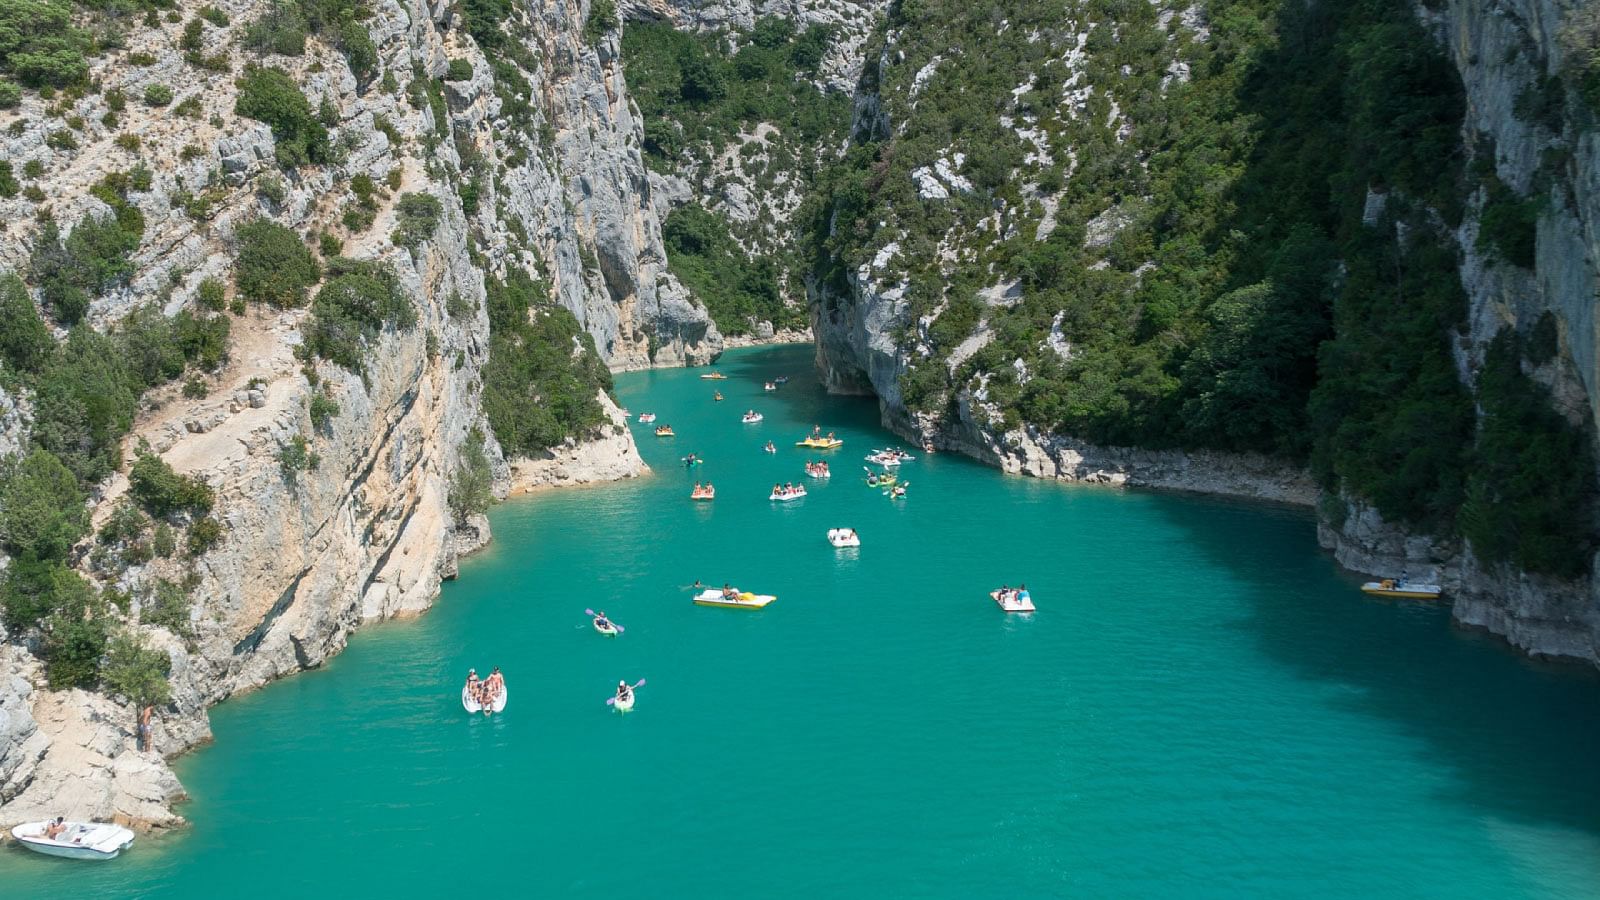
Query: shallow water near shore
[1203, 706]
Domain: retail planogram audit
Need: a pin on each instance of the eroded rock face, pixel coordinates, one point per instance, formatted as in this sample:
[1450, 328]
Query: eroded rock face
[308, 556]
[1503, 50]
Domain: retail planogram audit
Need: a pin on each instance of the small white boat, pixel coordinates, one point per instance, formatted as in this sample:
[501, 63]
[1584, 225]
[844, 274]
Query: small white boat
[888, 458]
[80, 840]
[818, 472]
[1013, 601]
[844, 537]
[605, 627]
[770, 448]
[750, 418]
[473, 706]
[1402, 589]
[646, 418]
[785, 497]
[769, 386]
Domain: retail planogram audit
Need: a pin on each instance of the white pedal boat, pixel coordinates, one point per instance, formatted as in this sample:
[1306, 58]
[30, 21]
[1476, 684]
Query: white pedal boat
[751, 418]
[81, 840]
[744, 600]
[785, 498]
[844, 537]
[473, 706]
[646, 418]
[1012, 603]
[606, 627]
[887, 459]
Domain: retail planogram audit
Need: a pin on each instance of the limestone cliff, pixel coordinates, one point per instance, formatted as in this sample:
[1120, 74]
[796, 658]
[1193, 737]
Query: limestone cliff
[363, 532]
[883, 317]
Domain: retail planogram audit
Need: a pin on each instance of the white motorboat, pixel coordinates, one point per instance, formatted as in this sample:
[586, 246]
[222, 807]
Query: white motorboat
[473, 706]
[888, 458]
[605, 627]
[80, 840]
[646, 418]
[786, 496]
[1013, 601]
[844, 537]
[750, 418]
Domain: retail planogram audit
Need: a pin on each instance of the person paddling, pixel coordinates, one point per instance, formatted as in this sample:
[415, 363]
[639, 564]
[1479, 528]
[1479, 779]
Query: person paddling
[623, 692]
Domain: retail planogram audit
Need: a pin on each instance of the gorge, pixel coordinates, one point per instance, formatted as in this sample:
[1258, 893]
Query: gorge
[1339, 255]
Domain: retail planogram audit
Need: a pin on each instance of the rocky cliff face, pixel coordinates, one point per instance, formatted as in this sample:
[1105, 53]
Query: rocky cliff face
[365, 533]
[1506, 51]
[870, 331]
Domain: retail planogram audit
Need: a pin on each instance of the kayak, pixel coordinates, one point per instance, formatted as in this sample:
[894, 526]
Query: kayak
[844, 537]
[472, 705]
[623, 706]
[785, 498]
[691, 463]
[882, 481]
[820, 443]
[751, 418]
[745, 599]
[1013, 602]
[606, 628]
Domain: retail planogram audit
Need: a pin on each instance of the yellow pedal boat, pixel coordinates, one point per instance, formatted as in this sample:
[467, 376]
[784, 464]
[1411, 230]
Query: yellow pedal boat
[714, 376]
[820, 443]
[745, 600]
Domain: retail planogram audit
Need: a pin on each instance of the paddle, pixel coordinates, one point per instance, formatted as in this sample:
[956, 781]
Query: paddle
[610, 701]
[592, 614]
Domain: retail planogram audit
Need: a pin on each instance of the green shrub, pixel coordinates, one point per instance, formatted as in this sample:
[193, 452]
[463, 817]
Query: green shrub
[125, 525]
[271, 96]
[193, 38]
[459, 70]
[322, 409]
[358, 302]
[483, 19]
[273, 266]
[281, 29]
[329, 245]
[157, 95]
[215, 16]
[25, 342]
[1508, 227]
[195, 388]
[136, 671]
[39, 45]
[10, 95]
[141, 58]
[93, 259]
[61, 139]
[543, 376]
[129, 142]
[85, 398]
[74, 637]
[42, 511]
[602, 20]
[162, 542]
[416, 218]
[189, 108]
[211, 294]
[161, 491]
[166, 604]
[204, 534]
[472, 483]
[1531, 493]
[357, 218]
[359, 51]
[271, 187]
[9, 185]
[296, 457]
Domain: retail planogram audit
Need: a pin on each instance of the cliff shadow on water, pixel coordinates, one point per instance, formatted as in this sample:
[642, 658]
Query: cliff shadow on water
[1481, 711]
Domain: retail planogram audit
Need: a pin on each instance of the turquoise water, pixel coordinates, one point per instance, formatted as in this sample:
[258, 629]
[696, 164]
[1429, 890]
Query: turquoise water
[1204, 706]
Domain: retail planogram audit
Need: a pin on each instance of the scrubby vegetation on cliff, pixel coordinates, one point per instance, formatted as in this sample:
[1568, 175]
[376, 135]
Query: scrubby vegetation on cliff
[1224, 230]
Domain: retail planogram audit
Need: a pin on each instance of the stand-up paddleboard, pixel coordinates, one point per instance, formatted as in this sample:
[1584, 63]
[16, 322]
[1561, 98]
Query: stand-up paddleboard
[473, 706]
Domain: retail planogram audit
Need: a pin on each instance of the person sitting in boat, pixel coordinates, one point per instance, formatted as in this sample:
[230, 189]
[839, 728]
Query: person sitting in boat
[497, 682]
[830, 435]
[600, 619]
[472, 683]
[728, 593]
[55, 829]
[623, 691]
[770, 448]
[1022, 593]
[709, 489]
